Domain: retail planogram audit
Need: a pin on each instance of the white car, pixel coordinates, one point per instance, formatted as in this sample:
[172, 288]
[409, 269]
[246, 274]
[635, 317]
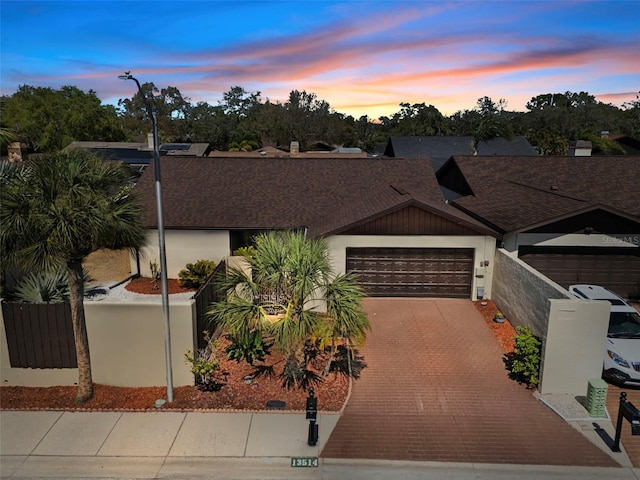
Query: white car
[622, 359]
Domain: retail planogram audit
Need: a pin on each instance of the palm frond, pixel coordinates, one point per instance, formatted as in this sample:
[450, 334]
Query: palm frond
[238, 317]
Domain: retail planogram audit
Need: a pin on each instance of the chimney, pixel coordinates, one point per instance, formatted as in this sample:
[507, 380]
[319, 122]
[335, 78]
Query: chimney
[294, 148]
[150, 141]
[14, 151]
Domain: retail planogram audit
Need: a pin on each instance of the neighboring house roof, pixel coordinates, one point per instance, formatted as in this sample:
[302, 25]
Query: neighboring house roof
[138, 153]
[185, 149]
[272, 152]
[517, 193]
[440, 148]
[631, 145]
[324, 195]
[131, 153]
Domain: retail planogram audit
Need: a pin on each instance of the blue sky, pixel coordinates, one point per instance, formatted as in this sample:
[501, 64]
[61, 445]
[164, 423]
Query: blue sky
[363, 57]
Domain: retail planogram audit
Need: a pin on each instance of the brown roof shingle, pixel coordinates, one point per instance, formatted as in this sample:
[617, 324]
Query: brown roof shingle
[322, 194]
[516, 192]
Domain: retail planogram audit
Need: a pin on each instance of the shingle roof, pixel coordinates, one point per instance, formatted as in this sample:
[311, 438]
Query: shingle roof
[132, 153]
[324, 195]
[440, 148]
[138, 153]
[513, 193]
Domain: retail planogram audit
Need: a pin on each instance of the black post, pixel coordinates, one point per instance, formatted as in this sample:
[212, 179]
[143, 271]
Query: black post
[312, 413]
[616, 442]
[631, 413]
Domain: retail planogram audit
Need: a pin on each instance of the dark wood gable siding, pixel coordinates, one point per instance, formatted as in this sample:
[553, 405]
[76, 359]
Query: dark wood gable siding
[410, 221]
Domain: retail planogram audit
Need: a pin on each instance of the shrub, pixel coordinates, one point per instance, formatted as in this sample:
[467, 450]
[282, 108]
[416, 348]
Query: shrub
[249, 251]
[47, 287]
[205, 365]
[155, 273]
[195, 274]
[252, 349]
[525, 360]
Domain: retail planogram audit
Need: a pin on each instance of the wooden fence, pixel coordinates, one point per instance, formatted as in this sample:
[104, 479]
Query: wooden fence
[39, 335]
[206, 294]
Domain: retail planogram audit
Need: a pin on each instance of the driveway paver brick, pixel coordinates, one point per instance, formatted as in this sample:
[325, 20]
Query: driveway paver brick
[436, 389]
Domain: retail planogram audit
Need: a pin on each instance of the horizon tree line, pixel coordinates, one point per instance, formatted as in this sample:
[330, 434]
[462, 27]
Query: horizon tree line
[46, 120]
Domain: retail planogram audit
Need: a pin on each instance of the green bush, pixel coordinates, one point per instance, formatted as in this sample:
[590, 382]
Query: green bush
[205, 366]
[251, 349]
[525, 360]
[46, 287]
[245, 251]
[195, 274]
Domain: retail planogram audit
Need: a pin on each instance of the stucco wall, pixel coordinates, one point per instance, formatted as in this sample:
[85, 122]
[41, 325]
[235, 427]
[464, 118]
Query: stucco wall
[182, 247]
[484, 248]
[574, 346]
[126, 342]
[573, 331]
[522, 293]
[188, 246]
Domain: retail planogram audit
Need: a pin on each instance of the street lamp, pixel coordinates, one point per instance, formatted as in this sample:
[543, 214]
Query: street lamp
[151, 112]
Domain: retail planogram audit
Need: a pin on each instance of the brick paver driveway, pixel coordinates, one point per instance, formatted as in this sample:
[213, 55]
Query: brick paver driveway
[435, 388]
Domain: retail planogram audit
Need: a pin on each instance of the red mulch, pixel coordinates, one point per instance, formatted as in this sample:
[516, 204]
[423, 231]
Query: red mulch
[146, 285]
[503, 332]
[235, 395]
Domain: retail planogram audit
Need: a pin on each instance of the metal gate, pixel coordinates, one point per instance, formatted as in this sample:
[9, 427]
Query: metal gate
[413, 272]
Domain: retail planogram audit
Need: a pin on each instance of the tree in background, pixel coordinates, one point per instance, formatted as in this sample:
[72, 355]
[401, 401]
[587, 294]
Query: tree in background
[486, 121]
[208, 124]
[365, 134]
[632, 117]
[555, 119]
[310, 120]
[416, 120]
[47, 120]
[55, 212]
[241, 109]
[173, 111]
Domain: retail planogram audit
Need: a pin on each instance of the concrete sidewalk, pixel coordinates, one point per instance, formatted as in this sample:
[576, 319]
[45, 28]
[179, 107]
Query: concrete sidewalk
[141, 445]
[239, 446]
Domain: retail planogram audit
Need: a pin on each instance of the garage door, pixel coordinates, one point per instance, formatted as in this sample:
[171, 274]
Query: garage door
[619, 271]
[413, 272]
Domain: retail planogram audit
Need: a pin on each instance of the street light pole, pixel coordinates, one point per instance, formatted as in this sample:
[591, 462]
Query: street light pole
[151, 112]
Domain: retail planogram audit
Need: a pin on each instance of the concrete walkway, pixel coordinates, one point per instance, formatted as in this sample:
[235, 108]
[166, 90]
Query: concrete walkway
[145, 445]
[221, 446]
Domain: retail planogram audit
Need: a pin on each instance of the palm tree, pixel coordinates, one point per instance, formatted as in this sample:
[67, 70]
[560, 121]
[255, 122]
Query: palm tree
[292, 298]
[57, 210]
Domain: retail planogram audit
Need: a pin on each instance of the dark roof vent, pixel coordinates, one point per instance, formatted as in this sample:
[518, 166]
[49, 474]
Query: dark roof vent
[554, 187]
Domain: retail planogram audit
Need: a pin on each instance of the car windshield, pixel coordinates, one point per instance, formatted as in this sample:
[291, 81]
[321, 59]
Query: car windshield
[624, 325]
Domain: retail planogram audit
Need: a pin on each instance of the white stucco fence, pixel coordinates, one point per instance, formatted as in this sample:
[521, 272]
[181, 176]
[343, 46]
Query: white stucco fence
[126, 342]
[573, 331]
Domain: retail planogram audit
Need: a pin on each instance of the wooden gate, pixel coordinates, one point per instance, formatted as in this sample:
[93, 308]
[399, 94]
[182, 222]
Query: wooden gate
[39, 335]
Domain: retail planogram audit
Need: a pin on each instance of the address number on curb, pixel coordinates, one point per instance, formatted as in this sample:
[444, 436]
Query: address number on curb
[304, 461]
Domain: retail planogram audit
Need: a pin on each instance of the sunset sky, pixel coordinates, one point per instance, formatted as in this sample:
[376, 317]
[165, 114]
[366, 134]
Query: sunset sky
[363, 57]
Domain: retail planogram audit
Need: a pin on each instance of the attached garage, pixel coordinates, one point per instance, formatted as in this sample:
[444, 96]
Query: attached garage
[413, 272]
[616, 268]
